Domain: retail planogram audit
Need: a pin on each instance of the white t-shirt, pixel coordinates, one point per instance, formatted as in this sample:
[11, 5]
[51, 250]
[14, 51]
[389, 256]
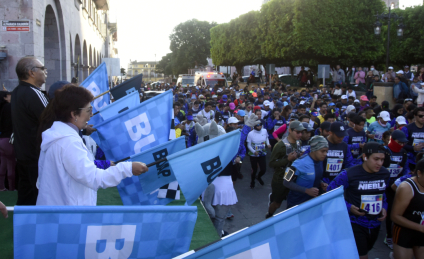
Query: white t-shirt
[208, 115]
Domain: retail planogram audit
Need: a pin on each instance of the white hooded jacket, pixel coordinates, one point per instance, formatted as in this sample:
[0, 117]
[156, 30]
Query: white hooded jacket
[67, 174]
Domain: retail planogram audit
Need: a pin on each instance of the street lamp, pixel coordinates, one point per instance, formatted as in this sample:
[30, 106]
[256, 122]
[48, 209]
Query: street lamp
[377, 29]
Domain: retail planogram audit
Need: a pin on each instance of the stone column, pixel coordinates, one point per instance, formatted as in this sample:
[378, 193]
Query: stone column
[384, 92]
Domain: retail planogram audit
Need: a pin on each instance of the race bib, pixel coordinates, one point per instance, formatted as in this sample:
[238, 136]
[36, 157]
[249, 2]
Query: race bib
[258, 147]
[372, 203]
[378, 136]
[394, 170]
[355, 151]
[334, 165]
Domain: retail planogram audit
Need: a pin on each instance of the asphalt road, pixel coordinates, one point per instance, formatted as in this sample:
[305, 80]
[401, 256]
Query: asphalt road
[253, 204]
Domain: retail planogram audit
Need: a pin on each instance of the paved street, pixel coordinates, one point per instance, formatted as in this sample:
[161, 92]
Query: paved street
[253, 204]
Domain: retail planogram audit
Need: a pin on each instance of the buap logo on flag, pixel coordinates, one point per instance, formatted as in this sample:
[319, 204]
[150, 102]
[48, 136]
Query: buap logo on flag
[102, 232]
[143, 189]
[137, 129]
[196, 167]
[319, 228]
[119, 106]
[97, 82]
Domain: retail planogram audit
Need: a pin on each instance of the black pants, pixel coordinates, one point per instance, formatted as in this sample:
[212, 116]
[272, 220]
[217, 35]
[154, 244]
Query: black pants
[28, 174]
[254, 161]
[390, 196]
[236, 171]
[272, 142]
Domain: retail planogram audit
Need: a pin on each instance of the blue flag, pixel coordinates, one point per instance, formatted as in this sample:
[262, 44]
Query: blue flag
[135, 130]
[121, 105]
[97, 82]
[103, 231]
[196, 167]
[317, 229]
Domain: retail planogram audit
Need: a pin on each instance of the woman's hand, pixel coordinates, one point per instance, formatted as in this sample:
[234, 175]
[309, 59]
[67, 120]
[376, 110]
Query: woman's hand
[3, 210]
[139, 168]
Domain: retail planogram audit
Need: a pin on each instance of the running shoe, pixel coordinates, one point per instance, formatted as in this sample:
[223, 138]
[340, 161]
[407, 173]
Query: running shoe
[267, 215]
[389, 242]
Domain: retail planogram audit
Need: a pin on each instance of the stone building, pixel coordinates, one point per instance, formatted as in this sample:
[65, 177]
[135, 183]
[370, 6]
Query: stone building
[70, 36]
[147, 68]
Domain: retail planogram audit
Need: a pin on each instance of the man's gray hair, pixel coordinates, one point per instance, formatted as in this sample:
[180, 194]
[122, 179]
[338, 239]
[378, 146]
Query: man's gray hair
[24, 66]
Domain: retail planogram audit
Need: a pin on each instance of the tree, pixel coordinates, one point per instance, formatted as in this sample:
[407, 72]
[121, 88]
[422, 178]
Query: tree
[190, 45]
[165, 65]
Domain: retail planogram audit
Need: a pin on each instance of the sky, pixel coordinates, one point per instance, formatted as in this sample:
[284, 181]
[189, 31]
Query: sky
[144, 26]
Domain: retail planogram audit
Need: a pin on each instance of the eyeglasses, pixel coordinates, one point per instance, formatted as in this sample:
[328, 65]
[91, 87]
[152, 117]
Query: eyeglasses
[420, 116]
[42, 68]
[89, 109]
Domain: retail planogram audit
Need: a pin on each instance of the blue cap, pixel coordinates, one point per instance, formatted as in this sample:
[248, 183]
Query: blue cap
[331, 104]
[189, 117]
[56, 86]
[339, 128]
[241, 113]
[224, 97]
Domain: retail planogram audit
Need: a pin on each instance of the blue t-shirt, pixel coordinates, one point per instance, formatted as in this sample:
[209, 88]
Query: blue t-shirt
[378, 130]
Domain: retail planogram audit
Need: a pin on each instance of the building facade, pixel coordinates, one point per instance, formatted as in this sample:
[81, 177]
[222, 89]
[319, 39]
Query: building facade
[147, 68]
[69, 36]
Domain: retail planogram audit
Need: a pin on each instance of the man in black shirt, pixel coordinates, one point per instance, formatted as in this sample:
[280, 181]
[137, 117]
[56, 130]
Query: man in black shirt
[28, 102]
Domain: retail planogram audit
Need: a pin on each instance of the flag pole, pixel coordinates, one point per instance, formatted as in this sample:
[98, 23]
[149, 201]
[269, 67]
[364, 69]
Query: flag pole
[100, 95]
[148, 165]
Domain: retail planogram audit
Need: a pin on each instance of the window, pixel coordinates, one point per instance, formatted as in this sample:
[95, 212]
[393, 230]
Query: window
[136, 72]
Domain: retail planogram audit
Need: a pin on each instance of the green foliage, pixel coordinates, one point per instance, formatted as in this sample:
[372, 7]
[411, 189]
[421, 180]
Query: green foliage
[165, 65]
[190, 45]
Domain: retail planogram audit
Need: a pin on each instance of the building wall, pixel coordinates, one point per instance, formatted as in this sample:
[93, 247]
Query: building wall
[147, 68]
[65, 31]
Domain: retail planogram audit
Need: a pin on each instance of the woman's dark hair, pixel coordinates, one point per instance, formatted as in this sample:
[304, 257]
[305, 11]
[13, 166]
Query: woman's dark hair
[3, 95]
[274, 110]
[285, 112]
[70, 98]
[409, 116]
[411, 107]
[358, 119]
[396, 108]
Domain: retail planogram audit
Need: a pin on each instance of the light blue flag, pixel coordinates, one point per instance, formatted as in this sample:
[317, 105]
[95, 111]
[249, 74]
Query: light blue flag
[103, 231]
[317, 229]
[135, 130]
[121, 105]
[97, 82]
[196, 167]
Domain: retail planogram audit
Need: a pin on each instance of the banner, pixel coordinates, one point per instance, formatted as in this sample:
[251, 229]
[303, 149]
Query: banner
[123, 104]
[127, 87]
[103, 231]
[135, 130]
[97, 82]
[317, 229]
[196, 167]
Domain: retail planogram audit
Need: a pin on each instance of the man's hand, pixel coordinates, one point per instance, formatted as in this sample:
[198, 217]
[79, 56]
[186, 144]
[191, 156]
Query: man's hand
[292, 156]
[361, 145]
[312, 192]
[237, 160]
[3, 210]
[269, 146]
[371, 136]
[355, 211]
[112, 163]
[90, 129]
[324, 186]
[139, 168]
[418, 147]
[256, 154]
[383, 215]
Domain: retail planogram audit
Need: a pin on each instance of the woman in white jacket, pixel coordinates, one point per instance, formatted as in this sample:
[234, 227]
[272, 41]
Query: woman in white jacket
[420, 91]
[67, 173]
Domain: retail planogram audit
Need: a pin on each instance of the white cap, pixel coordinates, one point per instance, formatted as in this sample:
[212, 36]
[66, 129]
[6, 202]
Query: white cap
[401, 120]
[214, 96]
[350, 108]
[232, 120]
[302, 102]
[266, 103]
[385, 116]
[390, 67]
[344, 97]
[356, 101]
[400, 72]
[201, 96]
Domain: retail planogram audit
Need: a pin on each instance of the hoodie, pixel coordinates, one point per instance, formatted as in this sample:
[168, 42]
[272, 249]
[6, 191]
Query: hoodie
[67, 174]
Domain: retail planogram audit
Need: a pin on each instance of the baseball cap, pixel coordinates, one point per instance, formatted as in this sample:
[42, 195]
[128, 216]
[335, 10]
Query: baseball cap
[364, 98]
[293, 99]
[350, 108]
[232, 120]
[266, 103]
[390, 67]
[302, 102]
[307, 126]
[285, 103]
[200, 96]
[406, 66]
[224, 97]
[254, 94]
[331, 104]
[344, 97]
[241, 113]
[373, 147]
[356, 101]
[232, 106]
[399, 136]
[384, 115]
[401, 120]
[214, 96]
[326, 125]
[314, 113]
[400, 72]
[296, 125]
[339, 128]
[189, 117]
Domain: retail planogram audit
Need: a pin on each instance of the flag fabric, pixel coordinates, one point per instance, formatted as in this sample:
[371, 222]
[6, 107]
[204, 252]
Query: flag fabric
[97, 82]
[132, 193]
[140, 190]
[123, 104]
[196, 167]
[127, 87]
[171, 191]
[319, 228]
[102, 231]
[135, 130]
